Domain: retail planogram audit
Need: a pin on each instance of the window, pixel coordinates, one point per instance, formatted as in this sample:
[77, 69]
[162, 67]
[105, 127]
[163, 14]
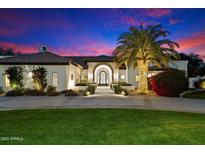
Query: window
[55, 79]
[71, 76]
[6, 81]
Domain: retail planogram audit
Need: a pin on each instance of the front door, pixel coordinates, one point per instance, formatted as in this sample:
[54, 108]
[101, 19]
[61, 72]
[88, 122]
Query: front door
[103, 79]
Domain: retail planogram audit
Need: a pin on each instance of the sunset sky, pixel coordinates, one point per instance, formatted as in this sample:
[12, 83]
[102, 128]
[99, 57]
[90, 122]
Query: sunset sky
[95, 31]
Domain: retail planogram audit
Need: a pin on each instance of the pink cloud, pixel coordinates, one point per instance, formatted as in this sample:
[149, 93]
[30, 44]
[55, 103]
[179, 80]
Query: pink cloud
[194, 43]
[174, 21]
[19, 47]
[10, 32]
[195, 40]
[156, 12]
[91, 48]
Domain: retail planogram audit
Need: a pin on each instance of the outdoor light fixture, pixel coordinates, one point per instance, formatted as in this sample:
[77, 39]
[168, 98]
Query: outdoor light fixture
[122, 77]
[87, 93]
[123, 93]
[30, 74]
[137, 78]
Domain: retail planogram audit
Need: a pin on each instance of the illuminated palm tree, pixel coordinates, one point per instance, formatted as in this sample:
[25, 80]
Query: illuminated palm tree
[143, 46]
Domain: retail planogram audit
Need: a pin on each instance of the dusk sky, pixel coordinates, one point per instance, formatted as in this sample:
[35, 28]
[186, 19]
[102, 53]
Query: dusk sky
[95, 31]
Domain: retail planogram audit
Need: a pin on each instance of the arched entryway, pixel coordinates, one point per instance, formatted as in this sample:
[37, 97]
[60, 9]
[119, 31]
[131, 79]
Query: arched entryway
[103, 75]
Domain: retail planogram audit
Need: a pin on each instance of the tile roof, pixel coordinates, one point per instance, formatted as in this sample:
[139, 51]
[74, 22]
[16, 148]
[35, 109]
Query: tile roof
[35, 58]
[45, 58]
[82, 60]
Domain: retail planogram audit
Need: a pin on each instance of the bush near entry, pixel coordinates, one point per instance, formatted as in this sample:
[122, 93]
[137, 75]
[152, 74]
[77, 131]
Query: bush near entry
[71, 93]
[51, 88]
[119, 90]
[90, 90]
[169, 83]
[15, 93]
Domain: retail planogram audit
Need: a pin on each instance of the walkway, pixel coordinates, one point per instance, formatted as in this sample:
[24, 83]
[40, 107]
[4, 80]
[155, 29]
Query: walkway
[104, 91]
[104, 98]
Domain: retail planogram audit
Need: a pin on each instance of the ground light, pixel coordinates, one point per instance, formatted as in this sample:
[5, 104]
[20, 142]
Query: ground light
[123, 93]
[87, 93]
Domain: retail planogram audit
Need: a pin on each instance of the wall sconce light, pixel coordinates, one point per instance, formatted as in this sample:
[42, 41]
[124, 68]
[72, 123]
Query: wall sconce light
[122, 77]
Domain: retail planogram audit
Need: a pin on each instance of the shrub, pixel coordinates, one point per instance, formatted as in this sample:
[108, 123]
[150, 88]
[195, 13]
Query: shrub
[1, 90]
[124, 92]
[39, 78]
[200, 84]
[15, 75]
[90, 90]
[15, 93]
[124, 84]
[117, 89]
[81, 84]
[53, 93]
[64, 91]
[71, 93]
[34, 92]
[50, 89]
[169, 83]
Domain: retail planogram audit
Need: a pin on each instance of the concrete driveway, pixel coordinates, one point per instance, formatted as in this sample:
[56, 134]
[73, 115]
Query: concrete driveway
[99, 100]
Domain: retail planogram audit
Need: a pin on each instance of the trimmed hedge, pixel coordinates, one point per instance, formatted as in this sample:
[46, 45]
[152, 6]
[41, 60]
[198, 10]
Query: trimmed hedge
[124, 84]
[119, 90]
[1, 90]
[90, 89]
[34, 92]
[169, 83]
[15, 93]
[71, 93]
[81, 84]
[53, 93]
[50, 89]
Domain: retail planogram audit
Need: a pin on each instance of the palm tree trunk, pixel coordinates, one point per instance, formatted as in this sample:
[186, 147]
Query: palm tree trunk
[143, 71]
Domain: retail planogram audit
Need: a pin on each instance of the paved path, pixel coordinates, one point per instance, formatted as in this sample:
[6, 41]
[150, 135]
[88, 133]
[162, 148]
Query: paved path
[99, 100]
[104, 92]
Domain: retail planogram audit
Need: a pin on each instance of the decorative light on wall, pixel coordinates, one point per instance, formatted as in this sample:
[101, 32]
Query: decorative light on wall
[122, 77]
[30, 74]
[137, 78]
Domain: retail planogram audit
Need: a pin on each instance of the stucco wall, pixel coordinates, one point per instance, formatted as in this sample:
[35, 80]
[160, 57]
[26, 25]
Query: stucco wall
[60, 69]
[122, 72]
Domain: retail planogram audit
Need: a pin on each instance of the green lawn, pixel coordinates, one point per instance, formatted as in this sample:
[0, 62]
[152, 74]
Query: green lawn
[195, 94]
[102, 126]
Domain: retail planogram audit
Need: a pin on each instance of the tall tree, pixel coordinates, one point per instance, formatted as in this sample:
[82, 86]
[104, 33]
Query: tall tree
[6, 51]
[15, 75]
[142, 46]
[196, 66]
[39, 78]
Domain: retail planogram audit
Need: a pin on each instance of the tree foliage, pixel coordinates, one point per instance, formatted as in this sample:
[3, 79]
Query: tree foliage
[142, 46]
[169, 83]
[196, 66]
[6, 51]
[15, 75]
[39, 78]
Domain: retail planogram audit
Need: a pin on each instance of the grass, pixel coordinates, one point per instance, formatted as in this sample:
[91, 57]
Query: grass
[102, 126]
[195, 94]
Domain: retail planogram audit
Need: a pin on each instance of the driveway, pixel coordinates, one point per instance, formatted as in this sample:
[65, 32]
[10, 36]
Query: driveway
[104, 98]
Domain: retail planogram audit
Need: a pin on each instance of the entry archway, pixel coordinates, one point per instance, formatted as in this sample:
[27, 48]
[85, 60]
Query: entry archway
[103, 75]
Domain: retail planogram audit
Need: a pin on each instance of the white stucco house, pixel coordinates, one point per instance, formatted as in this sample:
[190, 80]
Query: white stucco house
[64, 72]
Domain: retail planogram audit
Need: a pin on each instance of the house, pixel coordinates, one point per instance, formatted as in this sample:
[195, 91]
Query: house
[64, 72]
